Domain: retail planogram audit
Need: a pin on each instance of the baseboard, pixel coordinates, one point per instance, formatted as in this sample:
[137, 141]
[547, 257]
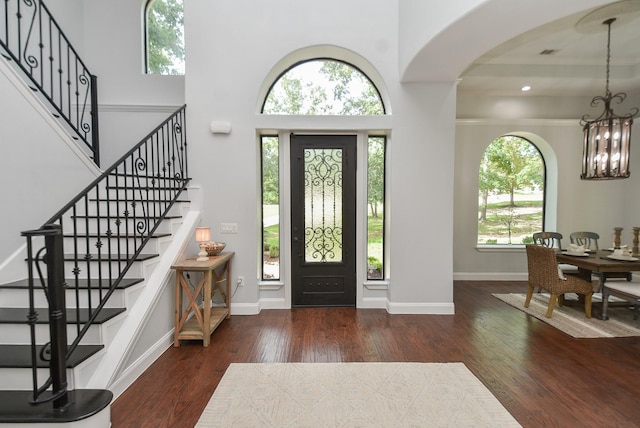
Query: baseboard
[250, 308]
[421, 308]
[132, 372]
[373, 303]
[490, 276]
[366, 303]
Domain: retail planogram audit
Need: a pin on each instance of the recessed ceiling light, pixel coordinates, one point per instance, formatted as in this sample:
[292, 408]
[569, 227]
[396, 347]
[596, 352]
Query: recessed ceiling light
[526, 88]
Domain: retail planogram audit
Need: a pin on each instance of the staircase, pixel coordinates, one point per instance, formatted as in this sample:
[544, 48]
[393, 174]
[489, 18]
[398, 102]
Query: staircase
[117, 241]
[90, 355]
[90, 309]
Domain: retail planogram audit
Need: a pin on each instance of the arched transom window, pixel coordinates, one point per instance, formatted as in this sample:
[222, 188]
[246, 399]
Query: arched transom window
[323, 87]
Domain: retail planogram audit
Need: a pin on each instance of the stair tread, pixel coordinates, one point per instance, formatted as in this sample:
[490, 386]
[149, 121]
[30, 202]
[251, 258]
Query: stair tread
[82, 283]
[111, 257]
[138, 188]
[121, 235]
[94, 216]
[19, 315]
[83, 403]
[146, 200]
[19, 356]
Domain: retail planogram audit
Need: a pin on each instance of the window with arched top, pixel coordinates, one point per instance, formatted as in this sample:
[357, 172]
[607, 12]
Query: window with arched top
[511, 196]
[323, 87]
[164, 37]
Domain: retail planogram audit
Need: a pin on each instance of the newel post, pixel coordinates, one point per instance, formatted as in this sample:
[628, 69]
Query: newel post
[57, 315]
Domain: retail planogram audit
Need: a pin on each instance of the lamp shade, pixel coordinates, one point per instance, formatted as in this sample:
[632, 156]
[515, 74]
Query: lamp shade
[203, 234]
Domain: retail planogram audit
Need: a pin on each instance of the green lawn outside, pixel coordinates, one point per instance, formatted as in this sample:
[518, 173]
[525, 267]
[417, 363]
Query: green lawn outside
[374, 239]
[526, 219]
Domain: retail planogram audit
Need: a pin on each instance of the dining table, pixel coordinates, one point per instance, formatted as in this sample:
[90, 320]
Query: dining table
[604, 263]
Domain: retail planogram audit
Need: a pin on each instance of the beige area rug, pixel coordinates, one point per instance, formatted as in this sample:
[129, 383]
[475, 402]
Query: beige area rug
[571, 320]
[353, 395]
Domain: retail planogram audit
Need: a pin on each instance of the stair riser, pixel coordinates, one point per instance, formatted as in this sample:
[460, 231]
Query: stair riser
[157, 191]
[117, 208]
[19, 334]
[93, 268]
[21, 379]
[108, 245]
[102, 226]
[19, 298]
[140, 178]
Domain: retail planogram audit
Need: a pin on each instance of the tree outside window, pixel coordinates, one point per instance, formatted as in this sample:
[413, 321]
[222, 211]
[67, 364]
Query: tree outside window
[270, 208]
[375, 200]
[511, 192]
[164, 20]
[323, 87]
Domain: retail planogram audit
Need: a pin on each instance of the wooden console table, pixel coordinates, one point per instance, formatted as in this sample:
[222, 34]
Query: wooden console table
[216, 275]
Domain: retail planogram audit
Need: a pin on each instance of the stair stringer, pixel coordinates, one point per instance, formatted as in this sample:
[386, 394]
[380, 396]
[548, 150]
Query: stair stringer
[110, 371]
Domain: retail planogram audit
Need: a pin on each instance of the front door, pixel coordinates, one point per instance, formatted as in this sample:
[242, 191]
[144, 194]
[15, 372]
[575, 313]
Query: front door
[323, 208]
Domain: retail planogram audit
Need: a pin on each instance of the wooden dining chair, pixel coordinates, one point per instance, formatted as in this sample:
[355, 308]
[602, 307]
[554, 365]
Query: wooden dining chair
[588, 240]
[548, 239]
[544, 273]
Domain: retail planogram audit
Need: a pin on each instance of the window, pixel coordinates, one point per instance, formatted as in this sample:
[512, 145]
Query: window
[164, 37]
[375, 210]
[270, 208]
[511, 192]
[323, 87]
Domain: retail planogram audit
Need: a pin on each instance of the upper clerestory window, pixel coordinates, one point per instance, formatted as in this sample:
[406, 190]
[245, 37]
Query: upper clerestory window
[164, 37]
[323, 87]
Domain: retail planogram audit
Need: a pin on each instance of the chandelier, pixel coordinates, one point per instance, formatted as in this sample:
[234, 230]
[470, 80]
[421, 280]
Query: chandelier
[607, 138]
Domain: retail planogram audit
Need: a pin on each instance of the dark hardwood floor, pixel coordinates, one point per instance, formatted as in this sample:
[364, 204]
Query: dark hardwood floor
[542, 376]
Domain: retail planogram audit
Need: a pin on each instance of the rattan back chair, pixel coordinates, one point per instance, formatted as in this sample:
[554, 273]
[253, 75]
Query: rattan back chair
[544, 273]
[554, 240]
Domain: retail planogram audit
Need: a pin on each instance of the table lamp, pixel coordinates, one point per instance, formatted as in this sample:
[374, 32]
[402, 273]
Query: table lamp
[203, 235]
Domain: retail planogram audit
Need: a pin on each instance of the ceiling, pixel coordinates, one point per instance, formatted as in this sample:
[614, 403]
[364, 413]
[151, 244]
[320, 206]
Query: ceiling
[575, 63]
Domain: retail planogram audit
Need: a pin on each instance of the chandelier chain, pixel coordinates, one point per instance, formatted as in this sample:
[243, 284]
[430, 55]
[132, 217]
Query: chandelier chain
[608, 22]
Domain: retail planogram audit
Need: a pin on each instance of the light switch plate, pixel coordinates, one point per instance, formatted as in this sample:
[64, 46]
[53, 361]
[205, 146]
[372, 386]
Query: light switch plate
[228, 227]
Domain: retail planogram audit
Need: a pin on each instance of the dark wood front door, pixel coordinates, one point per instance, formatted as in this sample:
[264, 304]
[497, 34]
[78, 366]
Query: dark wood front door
[323, 190]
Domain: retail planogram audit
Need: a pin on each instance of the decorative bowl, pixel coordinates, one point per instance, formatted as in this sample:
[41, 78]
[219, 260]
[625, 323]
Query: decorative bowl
[214, 248]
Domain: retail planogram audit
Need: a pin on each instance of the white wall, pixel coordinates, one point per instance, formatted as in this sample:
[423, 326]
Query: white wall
[132, 103]
[225, 81]
[41, 169]
[232, 48]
